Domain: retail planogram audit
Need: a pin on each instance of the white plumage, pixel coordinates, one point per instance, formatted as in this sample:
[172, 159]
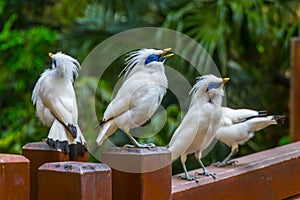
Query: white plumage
[239, 127]
[55, 101]
[141, 93]
[198, 127]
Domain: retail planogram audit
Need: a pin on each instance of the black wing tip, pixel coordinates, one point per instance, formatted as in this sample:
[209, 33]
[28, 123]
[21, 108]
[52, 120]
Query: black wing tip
[100, 123]
[72, 130]
[262, 113]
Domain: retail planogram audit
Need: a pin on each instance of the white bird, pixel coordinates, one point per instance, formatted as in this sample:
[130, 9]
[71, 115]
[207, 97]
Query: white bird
[140, 95]
[55, 101]
[198, 127]
[239, 127]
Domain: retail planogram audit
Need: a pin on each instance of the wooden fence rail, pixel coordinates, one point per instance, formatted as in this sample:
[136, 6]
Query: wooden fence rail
[270, 174]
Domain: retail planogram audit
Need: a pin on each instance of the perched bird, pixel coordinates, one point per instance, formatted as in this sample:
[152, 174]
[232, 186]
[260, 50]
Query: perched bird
[198, 127]
[139, 96]
[55, 101]
[239, 126]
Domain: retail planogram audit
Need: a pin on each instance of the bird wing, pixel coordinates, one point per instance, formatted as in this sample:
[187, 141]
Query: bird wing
[233, 134]
[243, 131]
[42, 111]
[238, 115]
[184, 135]
[130, 94]
[61, 108]
[59, 98]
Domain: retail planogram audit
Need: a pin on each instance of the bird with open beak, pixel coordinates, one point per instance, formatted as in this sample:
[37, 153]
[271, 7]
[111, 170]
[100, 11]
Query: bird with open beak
[141, 93]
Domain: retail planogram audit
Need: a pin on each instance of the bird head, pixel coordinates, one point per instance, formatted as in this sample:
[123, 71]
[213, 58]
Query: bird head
[210, 87]
[65, 65]
[146, 58]
[153, 55]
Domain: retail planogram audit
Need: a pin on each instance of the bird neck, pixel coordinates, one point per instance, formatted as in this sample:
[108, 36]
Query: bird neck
[64, 73]
[201, 99]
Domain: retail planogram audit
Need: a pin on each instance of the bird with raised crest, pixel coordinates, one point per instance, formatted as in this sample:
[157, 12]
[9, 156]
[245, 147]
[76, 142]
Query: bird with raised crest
[55, 102]
[198, 127]
[139, 96]
[239, 126]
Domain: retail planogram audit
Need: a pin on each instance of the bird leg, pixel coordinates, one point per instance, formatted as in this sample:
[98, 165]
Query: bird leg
[227, 160]
[187, 176]
[135, 143]
[205, 172]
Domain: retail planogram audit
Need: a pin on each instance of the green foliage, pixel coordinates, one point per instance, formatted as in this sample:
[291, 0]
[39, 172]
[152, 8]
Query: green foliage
[23, 59]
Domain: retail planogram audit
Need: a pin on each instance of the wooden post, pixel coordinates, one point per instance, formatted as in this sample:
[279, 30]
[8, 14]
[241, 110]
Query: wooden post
[14, 177]
[295, 90]
[39, 153]
[74, 180]
[140, 173]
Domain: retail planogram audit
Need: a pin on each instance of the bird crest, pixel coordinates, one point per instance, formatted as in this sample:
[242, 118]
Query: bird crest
[66, 65]
[136, 59]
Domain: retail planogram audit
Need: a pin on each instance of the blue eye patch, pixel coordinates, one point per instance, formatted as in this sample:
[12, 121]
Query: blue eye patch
[213, 85]
[54, 62]
[152, 58]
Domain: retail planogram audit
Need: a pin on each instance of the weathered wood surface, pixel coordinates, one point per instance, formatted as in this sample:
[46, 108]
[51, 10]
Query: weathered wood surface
[270, 174]
[14, 177]
[295, 90]
[140, 173]
[39, 153]
[74, 180]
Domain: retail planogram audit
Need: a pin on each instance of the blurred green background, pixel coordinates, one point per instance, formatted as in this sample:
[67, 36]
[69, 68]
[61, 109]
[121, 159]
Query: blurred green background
[249, 40]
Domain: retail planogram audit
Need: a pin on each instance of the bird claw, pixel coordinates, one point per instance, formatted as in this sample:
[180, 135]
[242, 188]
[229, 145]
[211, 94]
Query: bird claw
[206, 173]
[139, 145]
[222, 164]
[189, 178]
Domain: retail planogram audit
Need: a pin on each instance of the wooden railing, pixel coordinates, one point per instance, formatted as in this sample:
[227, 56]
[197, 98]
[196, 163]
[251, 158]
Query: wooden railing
[44, 173]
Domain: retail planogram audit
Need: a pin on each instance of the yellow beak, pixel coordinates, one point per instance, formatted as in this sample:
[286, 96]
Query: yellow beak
[225, 80]
[167, 55]
[166, 50]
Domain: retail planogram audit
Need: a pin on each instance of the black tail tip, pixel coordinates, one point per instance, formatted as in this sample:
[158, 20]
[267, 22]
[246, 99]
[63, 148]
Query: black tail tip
[280, 119]
[74, 150]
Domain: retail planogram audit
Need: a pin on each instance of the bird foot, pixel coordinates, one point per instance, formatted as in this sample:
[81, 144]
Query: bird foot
[207, 173]
[222, 164]
[189, 178]
[139, 145]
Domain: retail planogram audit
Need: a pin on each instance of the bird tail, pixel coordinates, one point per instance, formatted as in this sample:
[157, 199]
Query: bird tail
[106, 129]
[280, 119]
[175, 153]
[60, 138]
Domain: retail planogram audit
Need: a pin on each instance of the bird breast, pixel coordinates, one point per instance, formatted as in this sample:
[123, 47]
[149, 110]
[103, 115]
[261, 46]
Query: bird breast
[208, 122]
